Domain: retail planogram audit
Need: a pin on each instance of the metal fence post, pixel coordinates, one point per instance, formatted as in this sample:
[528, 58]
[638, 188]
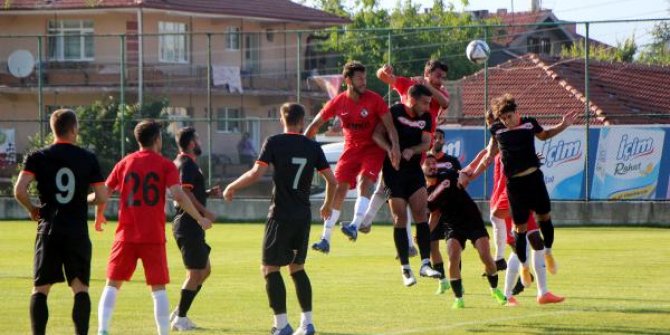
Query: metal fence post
[122, 95]
[587, 110]
[40, 93]
[297, 69]
[486, 107]
[209, 109]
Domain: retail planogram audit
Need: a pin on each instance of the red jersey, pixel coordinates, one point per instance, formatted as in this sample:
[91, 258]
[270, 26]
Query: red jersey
[141, 179]
[402, 85]
[359, 118]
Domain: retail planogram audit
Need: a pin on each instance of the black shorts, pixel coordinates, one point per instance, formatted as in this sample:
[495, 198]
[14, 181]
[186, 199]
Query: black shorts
[285, 242]
[462, 234]
[438, 233]
[55, 254]
[404, 183]
[194, 252]
[526, 194]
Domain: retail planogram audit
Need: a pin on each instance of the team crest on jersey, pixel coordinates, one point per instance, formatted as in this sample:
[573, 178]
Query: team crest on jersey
[364, 112]
[421, 124]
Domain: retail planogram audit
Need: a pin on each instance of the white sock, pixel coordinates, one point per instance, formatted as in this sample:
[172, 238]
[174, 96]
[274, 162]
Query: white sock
[281, 321]
[511, 274]
[306, 318]
[376, 202]
[405, 267]
[360, 207]
[161, 311]
[540, 271]
[410, 237]
[106, 307]
[330, 223]
[499, 236]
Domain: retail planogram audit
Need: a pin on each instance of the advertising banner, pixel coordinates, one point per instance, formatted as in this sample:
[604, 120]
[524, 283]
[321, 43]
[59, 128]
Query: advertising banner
[564, 158]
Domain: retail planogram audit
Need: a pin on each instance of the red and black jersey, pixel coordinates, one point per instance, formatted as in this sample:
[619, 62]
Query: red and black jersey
[141, 178]
[63, 173]
[410, 130]
[359, 118]
[191, 177]
[447, 162]
[294, 158]
[455, 204]
[517, 145]
[402, 85]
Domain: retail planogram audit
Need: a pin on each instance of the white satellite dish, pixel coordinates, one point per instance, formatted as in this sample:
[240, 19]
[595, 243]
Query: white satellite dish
[21, 63]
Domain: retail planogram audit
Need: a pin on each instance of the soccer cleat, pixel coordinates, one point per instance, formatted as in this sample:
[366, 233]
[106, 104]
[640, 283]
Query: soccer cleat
[499, 296]
[288, 330]
[549, 298]
[427, 271]
[442, 286]
[413, 252]
[501, 264]
[511, 302]
[518, 288]
[526, 278]
[305, 330]
[350, 231]
[458, 304]
[182, 324]
[408, 277]
[174, 314]
[552, 265]
[365, 227]
[322, 246]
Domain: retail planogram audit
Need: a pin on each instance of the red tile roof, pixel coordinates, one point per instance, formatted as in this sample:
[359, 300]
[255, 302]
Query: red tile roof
[269, 9]
[518, 18]
[620, 93]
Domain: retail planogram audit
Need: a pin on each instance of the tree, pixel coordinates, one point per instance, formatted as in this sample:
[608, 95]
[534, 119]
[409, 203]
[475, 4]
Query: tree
[623, 52]
[658, 52]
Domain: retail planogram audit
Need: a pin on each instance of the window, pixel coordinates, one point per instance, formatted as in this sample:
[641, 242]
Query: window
[545, 46]
[533, 44]
[233, 38]
[172, 46]
[179, 117]
[224, 123]
[70, 40]
[270, 35]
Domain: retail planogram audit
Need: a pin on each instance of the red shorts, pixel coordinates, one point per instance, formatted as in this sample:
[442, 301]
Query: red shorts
[532, 226]
[366, 161]
[123, 260]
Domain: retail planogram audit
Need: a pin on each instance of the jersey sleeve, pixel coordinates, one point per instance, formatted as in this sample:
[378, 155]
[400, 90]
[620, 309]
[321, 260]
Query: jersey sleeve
[329, 109]
[321, 162]
[113, 179]
[32, 164]
[438, 196]
[266, 157]
[96, 175]
[402, 85]
[536, 126]
[187, 174]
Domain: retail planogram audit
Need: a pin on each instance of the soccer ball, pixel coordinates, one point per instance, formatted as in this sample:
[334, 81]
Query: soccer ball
[477, 51]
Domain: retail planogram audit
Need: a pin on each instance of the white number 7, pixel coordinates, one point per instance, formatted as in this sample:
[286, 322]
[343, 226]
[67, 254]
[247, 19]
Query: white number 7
[301, 162]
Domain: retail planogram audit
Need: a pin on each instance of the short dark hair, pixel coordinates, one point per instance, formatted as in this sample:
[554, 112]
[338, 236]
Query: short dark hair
[351, 68]
[438, 130]
[416, 91]
[503, 104]
[147, 132]
[63, 121]
[292, 113]
[435, 64]
[184, 137]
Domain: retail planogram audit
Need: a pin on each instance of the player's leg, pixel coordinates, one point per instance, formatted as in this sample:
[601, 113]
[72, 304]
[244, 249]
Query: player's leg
[484, 250]
[454, 250]
[418, 203]
[195, 255]
[39, 310]
[547, 229]
[278, 251]
[399, 214]
[543, 294]
[303, 286]
[499, 236]
[517, 193]
[365, 186]
[372, 160]
[154, 261]
[340, 193]
[541, 203]
[377, 200]
[107, 304]
[48, 265]
[77, 265]
[437, 262]
[410, 238]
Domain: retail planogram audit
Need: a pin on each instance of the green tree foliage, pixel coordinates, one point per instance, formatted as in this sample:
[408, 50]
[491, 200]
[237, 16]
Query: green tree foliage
[623, 52]
[658, 52]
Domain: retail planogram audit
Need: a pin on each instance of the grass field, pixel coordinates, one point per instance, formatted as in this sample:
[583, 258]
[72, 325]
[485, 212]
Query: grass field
[616, 281]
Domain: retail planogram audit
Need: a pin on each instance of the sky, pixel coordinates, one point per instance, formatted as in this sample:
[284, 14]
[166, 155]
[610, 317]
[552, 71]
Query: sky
[583, 10]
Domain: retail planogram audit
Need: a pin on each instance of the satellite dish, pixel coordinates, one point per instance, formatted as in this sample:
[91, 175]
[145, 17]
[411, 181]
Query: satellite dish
[21, 63]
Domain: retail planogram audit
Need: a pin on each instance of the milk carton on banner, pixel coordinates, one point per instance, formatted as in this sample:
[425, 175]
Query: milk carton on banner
[627, 163]
[563, 158]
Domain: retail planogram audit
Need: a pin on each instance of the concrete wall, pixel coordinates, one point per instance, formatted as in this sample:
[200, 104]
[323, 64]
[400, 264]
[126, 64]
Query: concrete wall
[564, 213]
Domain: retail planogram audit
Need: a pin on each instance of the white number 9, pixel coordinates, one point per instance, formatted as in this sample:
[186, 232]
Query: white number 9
[67, 188]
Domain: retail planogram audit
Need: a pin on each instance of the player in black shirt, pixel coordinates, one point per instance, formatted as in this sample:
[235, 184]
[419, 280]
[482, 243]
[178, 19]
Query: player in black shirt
[294, 158]
[63, 172]
[514, 136]
[187, 232]
[452, 206]
[407, 185]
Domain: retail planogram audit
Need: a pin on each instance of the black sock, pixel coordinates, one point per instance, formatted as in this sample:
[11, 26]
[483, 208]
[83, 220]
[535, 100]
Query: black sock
[197, 290]
[439, 267]
[520, 246]
[81, 312]
[457, 287]
[423, 239]
[303, 289]
[185, 301]
[39, 313]
[547, 229]
[274, 285]
[493, 280]
[401, 244]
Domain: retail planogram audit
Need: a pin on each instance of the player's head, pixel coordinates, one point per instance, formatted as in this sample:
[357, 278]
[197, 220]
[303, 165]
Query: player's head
[435, 71]
[148, 135]
[63, 124]
[504, 109]
[489, 118]
[188, 141]
[429, 166]
[292, 115]
[354, 76]
[438, 140]
[419, 98]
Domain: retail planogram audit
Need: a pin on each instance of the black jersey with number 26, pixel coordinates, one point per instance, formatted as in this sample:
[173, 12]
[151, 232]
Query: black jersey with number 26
[63, 173]
[294, 158]
[517, 145]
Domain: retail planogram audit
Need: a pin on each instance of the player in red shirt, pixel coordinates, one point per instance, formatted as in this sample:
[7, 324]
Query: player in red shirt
[360, 111]
[141, 178]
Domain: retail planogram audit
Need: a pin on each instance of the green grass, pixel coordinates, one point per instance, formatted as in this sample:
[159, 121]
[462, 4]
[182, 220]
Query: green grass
[615, 280]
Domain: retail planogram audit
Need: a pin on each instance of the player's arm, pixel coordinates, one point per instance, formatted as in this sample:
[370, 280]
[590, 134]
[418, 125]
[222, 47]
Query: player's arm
[438, 96]
[385, 74]
[331, 184]
[568, 120]
[198, 206]
[315, 125]
[380, 138]
[387, 121]
[245, 180]
[21, 194]
[214, 192]
[185, 203]
[419, 148]
[491, 151]
[473, 164]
